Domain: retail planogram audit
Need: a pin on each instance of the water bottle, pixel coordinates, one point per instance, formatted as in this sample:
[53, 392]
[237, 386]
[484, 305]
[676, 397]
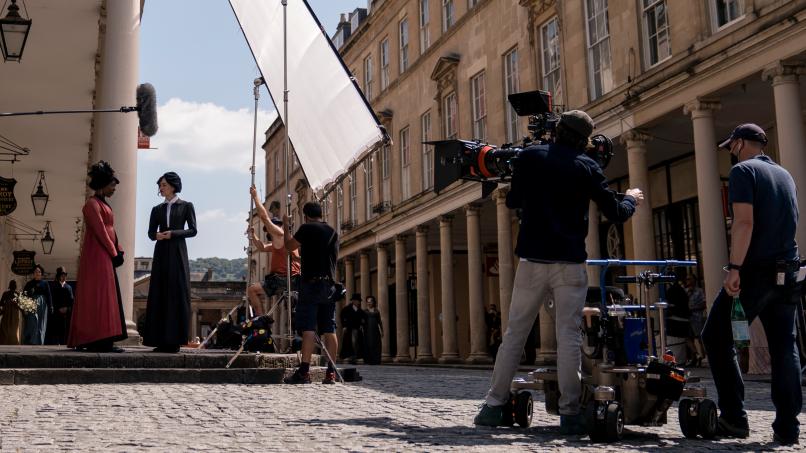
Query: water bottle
[739, 326]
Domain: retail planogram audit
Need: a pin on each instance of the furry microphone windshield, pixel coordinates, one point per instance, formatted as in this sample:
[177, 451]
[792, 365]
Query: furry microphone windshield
[147, 109]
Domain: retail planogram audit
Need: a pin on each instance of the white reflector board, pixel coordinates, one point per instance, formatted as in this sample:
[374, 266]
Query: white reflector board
[329, 122]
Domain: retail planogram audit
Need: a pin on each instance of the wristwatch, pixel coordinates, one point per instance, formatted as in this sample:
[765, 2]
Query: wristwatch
[732, 266]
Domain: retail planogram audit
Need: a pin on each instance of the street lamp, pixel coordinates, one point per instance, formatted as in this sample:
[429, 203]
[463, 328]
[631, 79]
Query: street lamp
[39, 196]
[47, 240]
[13, 33]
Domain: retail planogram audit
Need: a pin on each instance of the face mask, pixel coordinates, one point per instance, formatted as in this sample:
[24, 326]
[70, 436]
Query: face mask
[734, 159]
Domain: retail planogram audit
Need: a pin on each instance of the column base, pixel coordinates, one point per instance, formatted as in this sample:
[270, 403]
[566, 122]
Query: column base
[479, 359]
[425, 359]
[450, 358]
[134, 336]
[402, 359]
[386, 358]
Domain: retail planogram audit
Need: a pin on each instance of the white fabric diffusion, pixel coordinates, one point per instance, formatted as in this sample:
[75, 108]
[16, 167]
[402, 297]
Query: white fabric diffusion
[330, 125]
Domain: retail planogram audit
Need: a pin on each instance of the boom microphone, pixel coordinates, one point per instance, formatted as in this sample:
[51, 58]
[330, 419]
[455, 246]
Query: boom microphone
[147, 109]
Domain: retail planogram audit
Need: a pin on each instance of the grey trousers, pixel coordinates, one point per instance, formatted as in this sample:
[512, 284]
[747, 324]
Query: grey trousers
[534, 284]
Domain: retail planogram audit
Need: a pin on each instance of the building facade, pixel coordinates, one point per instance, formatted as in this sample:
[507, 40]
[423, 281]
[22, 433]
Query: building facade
[664, 79]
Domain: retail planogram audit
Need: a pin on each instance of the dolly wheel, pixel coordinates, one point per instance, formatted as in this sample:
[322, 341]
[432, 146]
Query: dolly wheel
[596, 428]
[523, 409]
[707, 419]
[688, 422]
[614, 422]
[508, 412]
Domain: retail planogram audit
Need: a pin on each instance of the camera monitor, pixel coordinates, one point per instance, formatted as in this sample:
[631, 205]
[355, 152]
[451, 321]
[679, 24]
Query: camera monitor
[531, 102]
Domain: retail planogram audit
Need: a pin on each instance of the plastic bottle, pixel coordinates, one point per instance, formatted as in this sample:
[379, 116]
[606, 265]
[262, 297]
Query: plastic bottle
[739, 326]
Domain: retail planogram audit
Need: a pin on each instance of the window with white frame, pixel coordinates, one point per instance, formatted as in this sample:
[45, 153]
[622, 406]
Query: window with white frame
[404, 45]
[405, 167]
[600, 72]
[369, 176]
[276, 169]
[384, 64]
[447, 14]
[428, 151]
[472, 3]
[511, 85]
[325, 206]
[478, 95]
[725, 12]
[425, 35]
[339, 207]
[656, 32]
[368, 77]
[449, 111]
[550, 51]
[386, 173]
[353, 197]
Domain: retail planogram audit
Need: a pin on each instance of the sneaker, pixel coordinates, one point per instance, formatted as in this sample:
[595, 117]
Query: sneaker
[785, 440]
[725, 428]
[489, 416]
[571, 425]
[330, 378]
[298, 378]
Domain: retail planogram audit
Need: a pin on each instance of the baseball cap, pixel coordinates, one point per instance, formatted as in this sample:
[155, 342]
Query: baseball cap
[578, 121]
[747, 131]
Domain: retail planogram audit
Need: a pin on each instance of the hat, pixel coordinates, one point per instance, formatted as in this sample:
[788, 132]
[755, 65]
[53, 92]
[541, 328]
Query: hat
[356, 296]
[60, 271]
[173, 180]
[577, 121]
[747, 131]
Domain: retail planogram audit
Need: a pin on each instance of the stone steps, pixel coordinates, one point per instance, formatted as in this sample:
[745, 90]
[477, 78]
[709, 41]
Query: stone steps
[83, 376]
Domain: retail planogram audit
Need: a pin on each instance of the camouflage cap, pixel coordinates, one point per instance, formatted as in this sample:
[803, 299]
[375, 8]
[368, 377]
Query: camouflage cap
[578, 121]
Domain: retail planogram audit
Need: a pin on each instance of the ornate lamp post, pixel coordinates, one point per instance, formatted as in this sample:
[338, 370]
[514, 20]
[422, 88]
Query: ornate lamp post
[13, 33]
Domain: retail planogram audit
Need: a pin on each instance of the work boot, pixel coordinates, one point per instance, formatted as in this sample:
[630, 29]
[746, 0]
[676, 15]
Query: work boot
[725, 428]
[489, 416]
[298, 378]
[785, 440]
[330, 378]
[572, 425]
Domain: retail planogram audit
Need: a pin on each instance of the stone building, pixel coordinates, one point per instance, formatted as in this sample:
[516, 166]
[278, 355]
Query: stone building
[664, 79]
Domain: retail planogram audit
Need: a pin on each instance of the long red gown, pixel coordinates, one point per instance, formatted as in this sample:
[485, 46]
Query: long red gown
[98, 309]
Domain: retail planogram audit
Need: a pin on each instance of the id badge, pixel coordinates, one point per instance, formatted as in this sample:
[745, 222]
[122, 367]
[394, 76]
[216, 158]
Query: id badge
[780, 278]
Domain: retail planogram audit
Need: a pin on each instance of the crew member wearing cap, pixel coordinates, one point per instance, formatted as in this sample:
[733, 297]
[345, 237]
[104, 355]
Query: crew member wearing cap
[763, 272]
[275, 282]
[553, 185]
[59, 320]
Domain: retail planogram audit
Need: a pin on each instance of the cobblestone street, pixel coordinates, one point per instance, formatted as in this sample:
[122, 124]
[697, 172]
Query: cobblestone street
[393, 409]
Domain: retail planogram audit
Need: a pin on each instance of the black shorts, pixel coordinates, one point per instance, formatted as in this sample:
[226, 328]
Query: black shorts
[316, 311]
[275, 284]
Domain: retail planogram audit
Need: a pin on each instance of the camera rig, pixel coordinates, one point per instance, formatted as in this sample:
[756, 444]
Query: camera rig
[477, 161]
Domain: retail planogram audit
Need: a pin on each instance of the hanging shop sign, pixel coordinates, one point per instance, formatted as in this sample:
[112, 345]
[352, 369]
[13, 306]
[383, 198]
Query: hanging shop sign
[23, 262]
[8, 203]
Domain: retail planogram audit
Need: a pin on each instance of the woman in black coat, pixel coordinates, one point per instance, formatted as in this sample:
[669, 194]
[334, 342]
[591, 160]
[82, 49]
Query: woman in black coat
[168, 308]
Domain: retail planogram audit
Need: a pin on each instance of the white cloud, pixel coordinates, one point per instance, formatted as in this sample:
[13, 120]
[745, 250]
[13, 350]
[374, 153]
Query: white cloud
[207, 137]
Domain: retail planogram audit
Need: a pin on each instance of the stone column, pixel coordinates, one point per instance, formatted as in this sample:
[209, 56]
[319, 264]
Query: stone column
[423, 309]
[349, 277]
[450, 351]
[642, 231]
[383, 299]
[401, 301]
[340, 304]
[789, 127]
[115, 135]
[194, 321]
[592, 245]
[478, 327]
[709, 195]
[366, 287]
[506, 273]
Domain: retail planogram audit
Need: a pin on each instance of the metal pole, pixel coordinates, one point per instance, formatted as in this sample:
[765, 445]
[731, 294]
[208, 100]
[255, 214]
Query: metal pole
[287, 154]
[256, 91]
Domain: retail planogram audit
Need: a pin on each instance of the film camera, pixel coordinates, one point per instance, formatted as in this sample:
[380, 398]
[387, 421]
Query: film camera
[477, 161]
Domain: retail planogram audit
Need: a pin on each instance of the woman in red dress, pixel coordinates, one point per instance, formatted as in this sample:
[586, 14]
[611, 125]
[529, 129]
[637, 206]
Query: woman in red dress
[98, 319]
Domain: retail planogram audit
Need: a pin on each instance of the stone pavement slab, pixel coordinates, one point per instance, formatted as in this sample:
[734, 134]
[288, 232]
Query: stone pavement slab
[392, 409]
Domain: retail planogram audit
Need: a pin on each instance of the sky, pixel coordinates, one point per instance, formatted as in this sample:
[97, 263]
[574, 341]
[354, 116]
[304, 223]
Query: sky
[195, 55]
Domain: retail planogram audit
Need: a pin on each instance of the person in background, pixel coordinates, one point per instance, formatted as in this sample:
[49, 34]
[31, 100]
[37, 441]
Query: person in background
[59, 321]
[696, 306]
[10, 312]
[353, 319]
[373, 332]
[36, 324]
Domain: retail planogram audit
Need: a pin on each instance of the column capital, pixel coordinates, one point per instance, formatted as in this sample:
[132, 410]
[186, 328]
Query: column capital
[401, 237]
[701, 107]
[349, 259]
[635, 138]
[500, 194]
[472, 209]
[364, 253]
[783, 72]
[422, 229]
[382, 247]
[446, 219]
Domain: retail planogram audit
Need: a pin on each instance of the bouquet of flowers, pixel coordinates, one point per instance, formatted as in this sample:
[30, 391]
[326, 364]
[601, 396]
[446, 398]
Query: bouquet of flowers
[26, 304]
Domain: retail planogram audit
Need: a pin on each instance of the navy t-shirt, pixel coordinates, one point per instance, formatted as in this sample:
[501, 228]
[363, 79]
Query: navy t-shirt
[319, 250]
[771, 190]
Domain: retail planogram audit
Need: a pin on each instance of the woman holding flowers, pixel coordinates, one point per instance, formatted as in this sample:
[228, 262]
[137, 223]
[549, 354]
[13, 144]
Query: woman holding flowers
[36, 322]
[10, 321]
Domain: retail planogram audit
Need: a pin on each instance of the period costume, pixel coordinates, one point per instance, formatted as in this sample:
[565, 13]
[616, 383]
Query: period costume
[35, 326]
[58, 322]
[98, 318]
[10, 322]
[373, 331]
[168, 309]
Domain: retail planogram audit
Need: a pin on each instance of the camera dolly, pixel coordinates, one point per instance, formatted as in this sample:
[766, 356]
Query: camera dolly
[629, 376]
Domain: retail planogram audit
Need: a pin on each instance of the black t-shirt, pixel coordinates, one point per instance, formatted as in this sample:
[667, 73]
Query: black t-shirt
[319, 250]
[771, 190]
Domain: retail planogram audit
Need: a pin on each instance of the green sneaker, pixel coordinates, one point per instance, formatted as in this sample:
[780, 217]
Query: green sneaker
[489, 416]
[572, 425]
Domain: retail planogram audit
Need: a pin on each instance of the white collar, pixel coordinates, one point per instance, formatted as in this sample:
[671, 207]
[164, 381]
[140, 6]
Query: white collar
[172, 200]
